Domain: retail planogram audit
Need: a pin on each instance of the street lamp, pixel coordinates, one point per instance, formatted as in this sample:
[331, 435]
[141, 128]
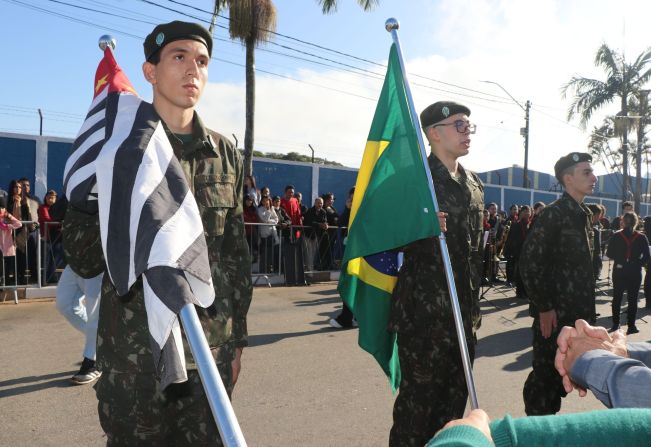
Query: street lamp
[524, 131]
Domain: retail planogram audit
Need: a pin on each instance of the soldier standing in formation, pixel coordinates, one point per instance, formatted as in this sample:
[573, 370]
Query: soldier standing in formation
[433, 389]
[556, 268]
[132, 408]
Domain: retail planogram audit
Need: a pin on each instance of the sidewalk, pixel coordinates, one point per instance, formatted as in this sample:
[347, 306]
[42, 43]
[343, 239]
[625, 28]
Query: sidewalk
[302, 383]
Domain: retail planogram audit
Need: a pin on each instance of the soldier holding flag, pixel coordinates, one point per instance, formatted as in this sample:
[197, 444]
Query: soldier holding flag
[133, 407]
[432, 388]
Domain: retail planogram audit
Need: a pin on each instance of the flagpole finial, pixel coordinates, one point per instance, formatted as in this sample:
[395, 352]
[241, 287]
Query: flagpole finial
[106, 41]
[391, 24]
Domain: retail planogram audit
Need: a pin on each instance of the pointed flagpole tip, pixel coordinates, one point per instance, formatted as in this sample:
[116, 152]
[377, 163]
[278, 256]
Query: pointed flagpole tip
[107, 41]
[391, 24]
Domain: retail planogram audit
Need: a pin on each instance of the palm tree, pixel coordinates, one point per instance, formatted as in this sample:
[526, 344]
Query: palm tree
[254, 22]
[642, 109]
[623, 80]
[328, 6]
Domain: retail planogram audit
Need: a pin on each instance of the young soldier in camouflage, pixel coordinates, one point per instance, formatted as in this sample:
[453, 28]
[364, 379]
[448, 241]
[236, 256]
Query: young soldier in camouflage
[556, 269]
[433, 388]
[132, 409]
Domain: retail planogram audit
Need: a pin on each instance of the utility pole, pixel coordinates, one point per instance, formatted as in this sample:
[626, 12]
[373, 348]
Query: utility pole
[525, 174]
[524, 131]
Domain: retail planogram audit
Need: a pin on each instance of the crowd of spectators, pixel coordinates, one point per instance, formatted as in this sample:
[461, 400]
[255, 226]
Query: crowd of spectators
[622, 239]
[22, 216]
[272, 222]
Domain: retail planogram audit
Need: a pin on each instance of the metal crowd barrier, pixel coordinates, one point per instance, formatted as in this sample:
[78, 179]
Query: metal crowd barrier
[322, 250]
[25, 266]
[39, 260]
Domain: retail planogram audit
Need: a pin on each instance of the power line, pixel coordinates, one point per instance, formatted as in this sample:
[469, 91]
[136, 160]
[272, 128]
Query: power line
[313, 45]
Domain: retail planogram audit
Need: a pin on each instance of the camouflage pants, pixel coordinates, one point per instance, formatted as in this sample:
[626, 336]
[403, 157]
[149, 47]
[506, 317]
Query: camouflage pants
[432, 389]
[134, 412]
[543, 388]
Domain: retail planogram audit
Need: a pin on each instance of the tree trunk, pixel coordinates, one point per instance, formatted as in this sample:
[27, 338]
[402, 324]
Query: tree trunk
[625, 147]
[250, 106]
[638, 167]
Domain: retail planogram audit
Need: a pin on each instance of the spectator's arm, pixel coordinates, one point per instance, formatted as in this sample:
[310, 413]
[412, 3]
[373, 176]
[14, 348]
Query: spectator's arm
[616, 381]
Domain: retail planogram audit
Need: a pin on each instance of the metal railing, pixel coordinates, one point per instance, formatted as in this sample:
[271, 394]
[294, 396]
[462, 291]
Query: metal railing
[39, 252]
[321, 249]
[23, 269]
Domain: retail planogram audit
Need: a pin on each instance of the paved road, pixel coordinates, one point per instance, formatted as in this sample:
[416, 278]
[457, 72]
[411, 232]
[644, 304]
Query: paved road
[302, 383]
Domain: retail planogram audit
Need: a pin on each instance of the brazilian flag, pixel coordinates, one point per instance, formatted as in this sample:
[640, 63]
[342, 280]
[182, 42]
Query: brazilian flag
[392, 207]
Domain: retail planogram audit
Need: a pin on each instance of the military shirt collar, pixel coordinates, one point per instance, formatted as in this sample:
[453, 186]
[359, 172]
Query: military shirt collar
[441, 171]
[202, 139]
[578, 207]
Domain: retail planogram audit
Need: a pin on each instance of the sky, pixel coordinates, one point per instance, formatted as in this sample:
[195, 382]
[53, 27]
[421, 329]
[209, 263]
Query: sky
[319, 79]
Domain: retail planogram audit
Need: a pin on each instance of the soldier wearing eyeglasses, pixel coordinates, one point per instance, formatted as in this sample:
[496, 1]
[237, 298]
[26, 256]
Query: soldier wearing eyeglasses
[433, 389]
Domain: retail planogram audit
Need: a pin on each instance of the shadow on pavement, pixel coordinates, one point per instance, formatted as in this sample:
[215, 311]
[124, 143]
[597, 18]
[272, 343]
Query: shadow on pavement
[318, 301]
[267, 339]
[491, 305]
[521, 362]
[325, 292]
[504, 342]
[30, 383]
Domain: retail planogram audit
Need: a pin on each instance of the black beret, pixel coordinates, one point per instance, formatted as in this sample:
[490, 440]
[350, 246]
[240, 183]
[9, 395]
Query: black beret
[177, 30]
[441, 110]
[570, 160]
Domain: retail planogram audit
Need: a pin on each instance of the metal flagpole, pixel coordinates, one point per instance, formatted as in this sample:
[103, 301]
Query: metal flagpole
[392, 26]
[220, 404]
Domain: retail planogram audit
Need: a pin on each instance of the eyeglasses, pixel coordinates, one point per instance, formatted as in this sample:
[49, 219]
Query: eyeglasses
[461, 126]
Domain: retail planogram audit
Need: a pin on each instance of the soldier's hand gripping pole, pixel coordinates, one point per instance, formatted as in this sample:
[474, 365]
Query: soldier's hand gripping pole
[392, 26]
[220, 404]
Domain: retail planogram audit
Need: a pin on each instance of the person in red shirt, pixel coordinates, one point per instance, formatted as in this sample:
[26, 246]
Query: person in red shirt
[292, 208]
[50, 232]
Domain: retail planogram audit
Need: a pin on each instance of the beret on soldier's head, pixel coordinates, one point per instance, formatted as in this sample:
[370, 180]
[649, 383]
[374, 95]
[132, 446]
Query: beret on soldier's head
[169, 32]
[441, 110]
[570, 160]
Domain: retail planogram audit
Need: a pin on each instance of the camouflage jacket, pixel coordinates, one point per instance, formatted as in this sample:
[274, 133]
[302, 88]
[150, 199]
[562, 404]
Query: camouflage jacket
[213, 168]
[421, 300]
[556, 262]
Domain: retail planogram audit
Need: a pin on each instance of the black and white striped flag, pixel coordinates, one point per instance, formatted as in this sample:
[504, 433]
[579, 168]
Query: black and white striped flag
[123, 166]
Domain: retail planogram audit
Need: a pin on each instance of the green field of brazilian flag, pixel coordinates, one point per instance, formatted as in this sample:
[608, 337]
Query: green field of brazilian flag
[392, 207]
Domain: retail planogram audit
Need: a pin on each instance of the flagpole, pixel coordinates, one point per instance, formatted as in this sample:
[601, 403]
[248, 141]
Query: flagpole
[392, 26]
[220, 403]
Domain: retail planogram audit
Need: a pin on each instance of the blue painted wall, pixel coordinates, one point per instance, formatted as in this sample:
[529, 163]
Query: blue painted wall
[57, 154]
[338, 182]
[17, 159]
[546, 197]
[277, 175]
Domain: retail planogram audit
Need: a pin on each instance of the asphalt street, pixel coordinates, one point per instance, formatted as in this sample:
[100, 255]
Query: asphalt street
[302, 382]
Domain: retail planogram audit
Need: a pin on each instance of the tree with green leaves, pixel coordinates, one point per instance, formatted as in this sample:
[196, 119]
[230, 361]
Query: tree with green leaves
[623, 81]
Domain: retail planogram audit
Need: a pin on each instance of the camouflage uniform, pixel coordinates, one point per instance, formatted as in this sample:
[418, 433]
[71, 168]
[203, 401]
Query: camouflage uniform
[132, 408]
[433, 389]
[556, 269]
